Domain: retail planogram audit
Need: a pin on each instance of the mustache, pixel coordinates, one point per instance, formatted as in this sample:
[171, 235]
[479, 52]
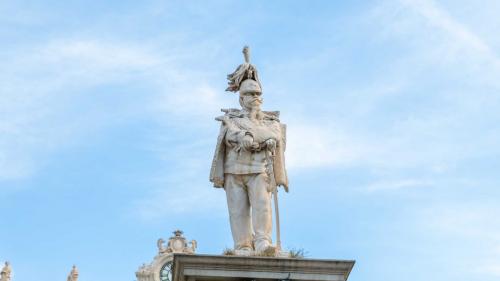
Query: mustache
[259, 99]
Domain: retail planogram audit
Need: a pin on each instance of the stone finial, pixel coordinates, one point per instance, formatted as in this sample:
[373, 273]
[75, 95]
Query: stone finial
[6, 271]
[73, 275]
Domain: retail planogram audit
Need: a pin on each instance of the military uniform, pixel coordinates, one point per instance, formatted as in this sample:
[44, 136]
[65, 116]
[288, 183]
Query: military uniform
[244, 174]
[244, 166]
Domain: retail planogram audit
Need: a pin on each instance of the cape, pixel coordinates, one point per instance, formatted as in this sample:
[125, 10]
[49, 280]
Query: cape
[217, 169]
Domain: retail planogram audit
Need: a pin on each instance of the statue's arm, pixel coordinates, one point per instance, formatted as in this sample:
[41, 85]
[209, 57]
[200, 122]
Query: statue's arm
[217, 169]
[236, 135]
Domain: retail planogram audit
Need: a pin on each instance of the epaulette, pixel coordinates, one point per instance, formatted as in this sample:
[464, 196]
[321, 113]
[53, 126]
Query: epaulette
[275, 115]
[235, 113]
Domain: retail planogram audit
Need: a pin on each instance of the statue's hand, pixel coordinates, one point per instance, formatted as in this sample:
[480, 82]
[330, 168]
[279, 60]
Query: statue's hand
[247, 142]
[271, 144]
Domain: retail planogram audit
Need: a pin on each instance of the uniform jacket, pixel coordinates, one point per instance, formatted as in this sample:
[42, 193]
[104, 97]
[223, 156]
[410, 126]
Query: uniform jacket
[217, 170]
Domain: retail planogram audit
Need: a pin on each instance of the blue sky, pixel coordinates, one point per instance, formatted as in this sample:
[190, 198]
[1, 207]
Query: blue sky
[107, 131]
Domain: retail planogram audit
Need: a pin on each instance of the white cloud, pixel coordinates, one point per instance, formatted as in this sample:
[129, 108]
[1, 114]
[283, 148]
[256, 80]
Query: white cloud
[399, 184]
[489, 267]
[311, 145]
[43, 87]
[176, 197]
[473, 229]
[429, 136]
[439, 18]
[439, 38]
[199, 103]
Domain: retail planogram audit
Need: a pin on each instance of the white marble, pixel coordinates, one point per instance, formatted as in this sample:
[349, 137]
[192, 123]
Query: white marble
[249, 163]
[6, 272]
[73, 274]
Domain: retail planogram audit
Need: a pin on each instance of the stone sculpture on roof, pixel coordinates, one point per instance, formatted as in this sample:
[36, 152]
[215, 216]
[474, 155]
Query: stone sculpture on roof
[249, 162]
[6, 271]
[160, 269]
[73, 275]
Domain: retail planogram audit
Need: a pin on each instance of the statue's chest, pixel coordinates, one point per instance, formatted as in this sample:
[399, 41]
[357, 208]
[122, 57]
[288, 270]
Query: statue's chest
[261, 130]
[253, 125]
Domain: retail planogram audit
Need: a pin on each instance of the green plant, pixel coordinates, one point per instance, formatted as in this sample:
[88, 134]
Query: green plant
[228, 252]
[297, 253]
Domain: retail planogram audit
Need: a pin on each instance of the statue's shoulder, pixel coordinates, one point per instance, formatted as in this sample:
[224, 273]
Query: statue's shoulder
[271, 115]
[229, 113]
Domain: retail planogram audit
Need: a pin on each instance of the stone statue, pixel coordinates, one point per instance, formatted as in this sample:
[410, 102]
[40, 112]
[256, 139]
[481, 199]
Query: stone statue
[5, 273]
[73, 275]
[194, 245]
[161, 248]
[249, 162]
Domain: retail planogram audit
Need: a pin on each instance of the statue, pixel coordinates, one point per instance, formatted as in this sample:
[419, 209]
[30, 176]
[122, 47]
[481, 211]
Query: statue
[73, 275]
[249, 163]
[194, 245]
[5, 273]
[161, 248]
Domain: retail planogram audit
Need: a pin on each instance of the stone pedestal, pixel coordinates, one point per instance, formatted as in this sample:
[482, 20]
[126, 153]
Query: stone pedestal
[229, 268]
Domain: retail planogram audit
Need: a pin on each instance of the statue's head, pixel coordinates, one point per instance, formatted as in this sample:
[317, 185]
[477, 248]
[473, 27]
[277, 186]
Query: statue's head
[246, 80]
[250, 94]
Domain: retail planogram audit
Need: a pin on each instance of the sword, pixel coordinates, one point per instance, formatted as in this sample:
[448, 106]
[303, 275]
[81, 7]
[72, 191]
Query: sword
[270, 170]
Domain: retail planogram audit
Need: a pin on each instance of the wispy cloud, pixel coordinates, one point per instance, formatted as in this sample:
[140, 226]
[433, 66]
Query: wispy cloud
[182, 187]
[315, 144]
[428, 130]
[43, 87]
[42, 84]
[180, 197]
[489, 267]
[399, 184]
[439, 18]
[471, 226]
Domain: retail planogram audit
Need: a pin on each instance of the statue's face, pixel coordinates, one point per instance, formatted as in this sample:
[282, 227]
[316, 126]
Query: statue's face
[251, 100]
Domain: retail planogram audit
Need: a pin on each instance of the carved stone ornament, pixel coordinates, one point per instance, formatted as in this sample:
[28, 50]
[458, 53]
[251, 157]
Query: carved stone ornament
[5, 273]
[159, 268]
[73, 275]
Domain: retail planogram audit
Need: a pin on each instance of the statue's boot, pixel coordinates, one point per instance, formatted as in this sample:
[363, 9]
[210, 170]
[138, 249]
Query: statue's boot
[244, 251]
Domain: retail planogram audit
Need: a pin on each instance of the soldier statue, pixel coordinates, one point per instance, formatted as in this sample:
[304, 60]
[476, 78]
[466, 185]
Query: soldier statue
[249, 163]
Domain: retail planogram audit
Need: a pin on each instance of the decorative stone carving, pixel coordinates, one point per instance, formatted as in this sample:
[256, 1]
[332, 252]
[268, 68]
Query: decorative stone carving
[6, 272]
[249, 163]
[176, 244]
[159, 268]
[73, 274]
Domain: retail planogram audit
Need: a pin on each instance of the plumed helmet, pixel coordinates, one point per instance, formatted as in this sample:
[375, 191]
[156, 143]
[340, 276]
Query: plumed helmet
[245, 78]
[250, 86]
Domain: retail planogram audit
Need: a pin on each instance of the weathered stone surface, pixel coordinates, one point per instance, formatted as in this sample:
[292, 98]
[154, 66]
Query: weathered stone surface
[73, 274]
[226, 268]
[249, 163]
[6, 271]
[159, 268]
